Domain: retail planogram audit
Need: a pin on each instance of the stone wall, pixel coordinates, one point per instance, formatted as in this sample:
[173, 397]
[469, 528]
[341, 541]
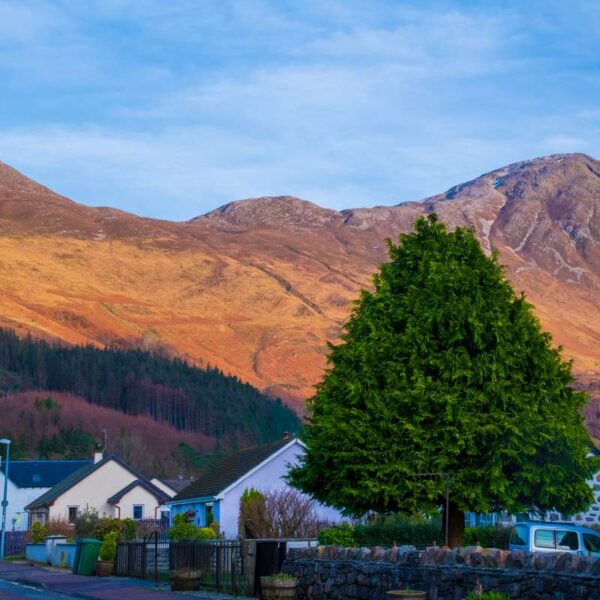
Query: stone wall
[366, 574]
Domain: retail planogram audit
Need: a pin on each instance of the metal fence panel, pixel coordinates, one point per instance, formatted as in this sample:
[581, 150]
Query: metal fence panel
[15, 542]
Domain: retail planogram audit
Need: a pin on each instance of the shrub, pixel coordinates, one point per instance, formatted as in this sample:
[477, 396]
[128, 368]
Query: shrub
[129, 530]
[38, 533]
[400, 529]
[59, 527]
[184, 530]
[108, 525]
[487, 536]
[86, 523]
[282, 513]
[338, 535]
[108, 549]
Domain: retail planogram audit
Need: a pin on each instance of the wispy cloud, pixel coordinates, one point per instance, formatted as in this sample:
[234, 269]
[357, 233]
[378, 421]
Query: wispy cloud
[172, 108]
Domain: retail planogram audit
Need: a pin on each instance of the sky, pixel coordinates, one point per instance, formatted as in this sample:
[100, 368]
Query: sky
[170, 109]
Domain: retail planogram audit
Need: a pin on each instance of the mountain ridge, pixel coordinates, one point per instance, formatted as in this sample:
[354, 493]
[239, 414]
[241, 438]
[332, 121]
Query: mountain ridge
[258, 286]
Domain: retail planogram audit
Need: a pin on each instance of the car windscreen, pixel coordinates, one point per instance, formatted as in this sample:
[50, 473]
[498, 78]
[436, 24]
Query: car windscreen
[518, 536]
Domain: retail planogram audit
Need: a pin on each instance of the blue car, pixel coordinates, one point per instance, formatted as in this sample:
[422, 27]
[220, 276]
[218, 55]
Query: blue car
[537, 536]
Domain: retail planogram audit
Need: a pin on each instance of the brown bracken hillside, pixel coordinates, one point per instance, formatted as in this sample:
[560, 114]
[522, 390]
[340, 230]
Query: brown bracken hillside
[257, 287]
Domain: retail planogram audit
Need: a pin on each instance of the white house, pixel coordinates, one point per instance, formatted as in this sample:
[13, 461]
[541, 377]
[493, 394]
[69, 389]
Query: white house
[29, 479]
[216, 496]
[109, 486]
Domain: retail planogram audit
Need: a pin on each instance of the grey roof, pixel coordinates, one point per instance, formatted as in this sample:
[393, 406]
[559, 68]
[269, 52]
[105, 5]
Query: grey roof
[229, 470]
[147, 485]
[48, 498]
[41, 473]
[177, 484]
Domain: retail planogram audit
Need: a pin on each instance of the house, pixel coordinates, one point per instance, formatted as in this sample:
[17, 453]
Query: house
[29, 479]
[216, 496]
[108, 485]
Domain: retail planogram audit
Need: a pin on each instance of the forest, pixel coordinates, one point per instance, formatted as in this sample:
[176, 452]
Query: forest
[137, 382]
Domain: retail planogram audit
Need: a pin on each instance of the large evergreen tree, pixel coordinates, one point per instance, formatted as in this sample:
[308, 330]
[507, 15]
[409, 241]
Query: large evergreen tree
[444, 369]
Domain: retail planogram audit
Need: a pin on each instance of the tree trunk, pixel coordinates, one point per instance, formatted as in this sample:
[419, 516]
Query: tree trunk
[456, 525]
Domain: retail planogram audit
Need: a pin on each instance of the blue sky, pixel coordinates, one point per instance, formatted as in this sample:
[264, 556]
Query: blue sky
[172, 108]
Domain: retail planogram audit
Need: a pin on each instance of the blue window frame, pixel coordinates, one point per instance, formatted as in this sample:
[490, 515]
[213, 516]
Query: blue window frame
[138, 511]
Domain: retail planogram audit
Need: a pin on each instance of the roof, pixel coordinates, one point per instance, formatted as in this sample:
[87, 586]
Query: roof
[229, 470]
[147, 485]
[48, 498]
[41, 473]
[177, 485]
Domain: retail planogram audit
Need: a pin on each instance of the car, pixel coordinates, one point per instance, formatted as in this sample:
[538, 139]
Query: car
[537, 536]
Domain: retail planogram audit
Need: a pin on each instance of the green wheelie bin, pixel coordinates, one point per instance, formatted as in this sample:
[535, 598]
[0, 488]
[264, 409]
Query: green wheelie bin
[86, 556]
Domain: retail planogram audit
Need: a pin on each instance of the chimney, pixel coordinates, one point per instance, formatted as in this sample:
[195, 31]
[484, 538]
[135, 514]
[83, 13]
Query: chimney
[286, 435]
[98, 456]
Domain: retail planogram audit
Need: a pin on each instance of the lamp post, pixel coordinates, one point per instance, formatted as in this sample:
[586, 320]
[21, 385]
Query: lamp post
[6, 442]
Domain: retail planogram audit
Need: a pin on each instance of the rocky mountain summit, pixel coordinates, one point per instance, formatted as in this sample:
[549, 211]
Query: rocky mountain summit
[257, 287]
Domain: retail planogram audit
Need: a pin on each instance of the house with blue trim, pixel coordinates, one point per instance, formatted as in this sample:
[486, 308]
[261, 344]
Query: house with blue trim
[216, 495]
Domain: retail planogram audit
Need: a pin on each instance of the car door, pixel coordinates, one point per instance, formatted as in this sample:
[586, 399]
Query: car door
[591, 544]
[554, 539]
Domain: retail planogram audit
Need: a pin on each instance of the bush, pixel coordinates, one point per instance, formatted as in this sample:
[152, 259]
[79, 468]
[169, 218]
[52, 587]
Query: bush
[108, 525]
[86, 523]
[59, 527]
[338, 535]
[129, 531]
[108, 550]
[400, 530]
[279, 513]
[487, 536]
[184, 530]
[38, 533]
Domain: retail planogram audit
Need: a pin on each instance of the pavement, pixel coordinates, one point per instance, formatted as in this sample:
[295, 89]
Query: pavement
[26, 581]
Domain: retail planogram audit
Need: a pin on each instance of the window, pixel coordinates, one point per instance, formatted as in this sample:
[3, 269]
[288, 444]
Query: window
[567, 540]
[209, 515]
[138, 511]
[519, 536]
[591, 542]
[73, 512]
[544, 538]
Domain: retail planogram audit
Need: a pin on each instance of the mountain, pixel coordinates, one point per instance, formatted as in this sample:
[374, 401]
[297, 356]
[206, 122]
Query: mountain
[257, 287]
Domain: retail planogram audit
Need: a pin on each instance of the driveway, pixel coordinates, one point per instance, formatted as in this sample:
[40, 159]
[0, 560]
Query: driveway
[26, 581]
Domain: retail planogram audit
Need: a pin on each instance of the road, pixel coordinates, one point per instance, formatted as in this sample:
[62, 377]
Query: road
[10, 590]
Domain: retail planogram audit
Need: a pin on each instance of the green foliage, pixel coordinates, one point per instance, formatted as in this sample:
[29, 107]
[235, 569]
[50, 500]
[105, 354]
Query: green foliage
[129, 529]
[400, 530]
[184, 396]
[487, 596]
[108, 549]
[442, 368]
[107, 525]
[338, 535]
[487, 537]
[39, 532]
[182, 529]
[86, 523]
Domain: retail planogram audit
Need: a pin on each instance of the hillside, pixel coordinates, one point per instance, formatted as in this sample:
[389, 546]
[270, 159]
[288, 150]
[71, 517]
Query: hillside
[257, 287]
[46, 425]
[214, 406]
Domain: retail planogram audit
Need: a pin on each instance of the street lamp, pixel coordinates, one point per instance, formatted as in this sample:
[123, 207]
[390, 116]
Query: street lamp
[5, 441]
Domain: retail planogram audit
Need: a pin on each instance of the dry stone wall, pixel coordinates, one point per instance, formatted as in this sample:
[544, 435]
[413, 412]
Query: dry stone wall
[367, 573]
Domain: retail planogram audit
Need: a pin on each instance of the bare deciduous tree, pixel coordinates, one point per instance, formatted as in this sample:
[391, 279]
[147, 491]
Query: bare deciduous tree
[283, 513]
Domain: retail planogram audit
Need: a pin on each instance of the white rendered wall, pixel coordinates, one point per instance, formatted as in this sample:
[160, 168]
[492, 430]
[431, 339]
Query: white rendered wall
[138, 495]
[94, 491]
[18, 499]
[269, 477]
